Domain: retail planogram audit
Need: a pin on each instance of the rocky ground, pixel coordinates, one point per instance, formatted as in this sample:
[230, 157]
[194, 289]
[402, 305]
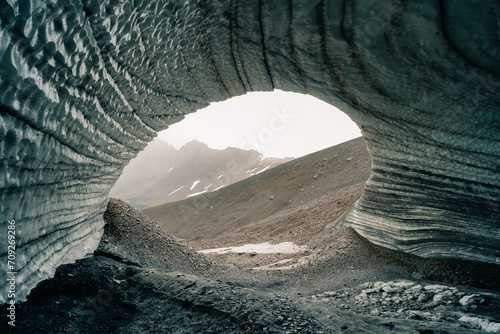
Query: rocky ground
[143, 280]
[292, 201]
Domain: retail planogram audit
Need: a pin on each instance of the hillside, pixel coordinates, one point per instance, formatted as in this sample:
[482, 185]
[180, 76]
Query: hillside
[142, 279]
[299, 197]
[162, 174]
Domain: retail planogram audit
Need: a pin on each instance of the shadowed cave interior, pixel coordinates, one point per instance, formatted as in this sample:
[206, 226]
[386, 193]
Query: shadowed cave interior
[85, 86]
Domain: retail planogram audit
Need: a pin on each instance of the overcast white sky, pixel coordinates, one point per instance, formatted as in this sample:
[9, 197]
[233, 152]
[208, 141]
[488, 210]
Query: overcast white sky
[277, 124]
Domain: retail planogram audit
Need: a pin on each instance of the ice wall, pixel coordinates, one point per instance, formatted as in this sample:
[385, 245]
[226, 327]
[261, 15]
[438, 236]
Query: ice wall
[84, 85]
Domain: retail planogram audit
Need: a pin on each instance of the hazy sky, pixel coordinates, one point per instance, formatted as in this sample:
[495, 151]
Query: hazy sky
[275, 123]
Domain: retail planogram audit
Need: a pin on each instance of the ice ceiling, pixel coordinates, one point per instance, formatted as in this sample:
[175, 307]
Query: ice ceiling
[86, 84]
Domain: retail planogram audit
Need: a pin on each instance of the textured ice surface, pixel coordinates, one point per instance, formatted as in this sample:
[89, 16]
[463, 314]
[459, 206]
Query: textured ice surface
[84, 85]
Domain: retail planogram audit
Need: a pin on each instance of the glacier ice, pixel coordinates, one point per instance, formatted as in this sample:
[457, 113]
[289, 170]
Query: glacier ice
[85, 85]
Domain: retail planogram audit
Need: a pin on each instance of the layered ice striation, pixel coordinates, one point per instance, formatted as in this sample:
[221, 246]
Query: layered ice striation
[85, 85]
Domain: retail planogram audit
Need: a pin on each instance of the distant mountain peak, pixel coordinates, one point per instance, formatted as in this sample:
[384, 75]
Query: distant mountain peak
[195, 143]
[162, 174]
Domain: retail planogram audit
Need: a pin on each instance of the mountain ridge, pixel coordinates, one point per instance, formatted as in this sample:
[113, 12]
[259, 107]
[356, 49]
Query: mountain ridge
[162, 174]
[327, 181]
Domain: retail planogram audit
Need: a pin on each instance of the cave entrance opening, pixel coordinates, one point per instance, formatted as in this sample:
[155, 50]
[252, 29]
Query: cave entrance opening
[210, 180]
[273, 123]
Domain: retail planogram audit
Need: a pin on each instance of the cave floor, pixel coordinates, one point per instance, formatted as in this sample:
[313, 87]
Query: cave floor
[143, 280]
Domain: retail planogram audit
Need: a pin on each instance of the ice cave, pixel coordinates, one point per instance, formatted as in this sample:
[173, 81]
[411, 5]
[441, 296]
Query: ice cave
[85, 85]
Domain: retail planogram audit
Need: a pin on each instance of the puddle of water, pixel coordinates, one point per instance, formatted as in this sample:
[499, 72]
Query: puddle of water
[264, 248]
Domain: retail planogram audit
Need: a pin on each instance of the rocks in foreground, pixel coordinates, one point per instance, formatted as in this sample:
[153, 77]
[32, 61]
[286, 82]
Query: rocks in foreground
[461, 307]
